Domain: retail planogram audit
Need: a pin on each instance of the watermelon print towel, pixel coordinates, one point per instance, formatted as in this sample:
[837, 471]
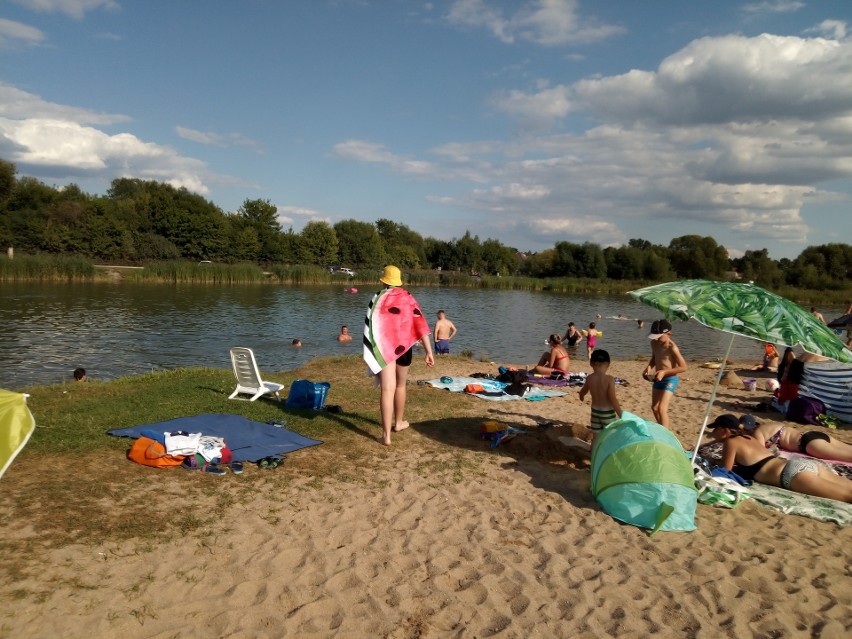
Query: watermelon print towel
[394, 323]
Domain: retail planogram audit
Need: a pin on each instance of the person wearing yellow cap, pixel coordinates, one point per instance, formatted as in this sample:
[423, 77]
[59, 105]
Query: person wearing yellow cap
[394, 324]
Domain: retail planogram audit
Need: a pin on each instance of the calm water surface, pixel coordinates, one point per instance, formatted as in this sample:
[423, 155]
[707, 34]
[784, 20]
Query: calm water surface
[48, 330]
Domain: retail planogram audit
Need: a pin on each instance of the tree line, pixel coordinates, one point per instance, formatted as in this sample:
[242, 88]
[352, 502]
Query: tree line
[143, 220]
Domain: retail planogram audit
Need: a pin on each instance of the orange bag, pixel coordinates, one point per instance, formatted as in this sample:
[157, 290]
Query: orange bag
[474, 388]
[149, 452]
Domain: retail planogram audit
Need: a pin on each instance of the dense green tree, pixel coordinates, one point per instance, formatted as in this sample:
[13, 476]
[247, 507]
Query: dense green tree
[441, 254]
[395, 238]
[823, 266]
[758, 267]
[540, 264]
[148, 220]
[246, 245]
[359, 244]
[152, 247]
[497, 258]
[693, 256]
[469, 253]
[262, 216]
[7, 181]
[318, 244]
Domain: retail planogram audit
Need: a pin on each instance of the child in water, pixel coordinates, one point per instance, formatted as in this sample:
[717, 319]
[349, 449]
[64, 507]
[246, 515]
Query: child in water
[605, 406]
[591, 340]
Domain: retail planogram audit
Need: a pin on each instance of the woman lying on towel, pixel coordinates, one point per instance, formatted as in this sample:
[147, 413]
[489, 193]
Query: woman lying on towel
[814, 443]
[747, 457]
[553, 361]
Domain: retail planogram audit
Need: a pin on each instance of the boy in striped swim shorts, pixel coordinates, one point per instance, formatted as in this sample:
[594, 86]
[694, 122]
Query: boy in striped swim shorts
[605, 407]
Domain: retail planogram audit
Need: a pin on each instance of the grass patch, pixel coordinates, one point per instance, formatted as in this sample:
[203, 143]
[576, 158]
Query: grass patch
[73, 484]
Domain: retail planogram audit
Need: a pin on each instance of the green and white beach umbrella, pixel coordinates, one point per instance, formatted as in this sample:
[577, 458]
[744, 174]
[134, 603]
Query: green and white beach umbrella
[746, 310]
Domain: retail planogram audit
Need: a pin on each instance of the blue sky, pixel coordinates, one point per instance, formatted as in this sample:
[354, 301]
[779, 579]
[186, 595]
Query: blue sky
[528, 121]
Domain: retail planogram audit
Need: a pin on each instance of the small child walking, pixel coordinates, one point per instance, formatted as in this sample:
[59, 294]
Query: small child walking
[591, 340]
[605, 406]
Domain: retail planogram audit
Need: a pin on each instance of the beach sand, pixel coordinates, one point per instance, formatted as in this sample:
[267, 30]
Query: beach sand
[430, 538]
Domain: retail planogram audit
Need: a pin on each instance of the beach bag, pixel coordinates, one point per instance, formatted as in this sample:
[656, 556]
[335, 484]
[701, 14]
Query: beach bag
[149, 452]
[474, 388]
[512, 376]
[307, 394]
[805, 410]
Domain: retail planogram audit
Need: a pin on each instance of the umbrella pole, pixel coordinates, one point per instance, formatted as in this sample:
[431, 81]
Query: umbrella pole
[712, 400]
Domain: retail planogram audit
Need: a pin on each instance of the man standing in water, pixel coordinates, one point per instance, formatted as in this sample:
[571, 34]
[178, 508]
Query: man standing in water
[667, 363]
[444, 332]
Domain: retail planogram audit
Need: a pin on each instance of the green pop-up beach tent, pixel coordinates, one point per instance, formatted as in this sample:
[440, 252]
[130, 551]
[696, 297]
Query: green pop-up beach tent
[16, 426]
[641, 475]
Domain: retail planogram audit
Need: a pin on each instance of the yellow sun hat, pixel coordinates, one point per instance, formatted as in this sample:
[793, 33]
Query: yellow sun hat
[391, 276]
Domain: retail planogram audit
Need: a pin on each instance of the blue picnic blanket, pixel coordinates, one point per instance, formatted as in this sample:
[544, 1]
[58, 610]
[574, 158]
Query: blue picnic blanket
[248, 440]
[493, 386]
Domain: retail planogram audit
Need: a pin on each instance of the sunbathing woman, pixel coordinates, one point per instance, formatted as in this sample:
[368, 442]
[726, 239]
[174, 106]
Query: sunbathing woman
[747, 457]
[555, 361]
[815, 443]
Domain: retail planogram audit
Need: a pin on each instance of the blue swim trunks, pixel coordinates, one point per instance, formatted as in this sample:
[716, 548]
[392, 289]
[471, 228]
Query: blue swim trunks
[442, 346]
[667, 384]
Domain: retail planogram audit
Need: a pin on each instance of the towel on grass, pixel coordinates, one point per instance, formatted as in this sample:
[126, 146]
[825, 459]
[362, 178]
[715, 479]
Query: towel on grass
[493, 386]
[247, 440]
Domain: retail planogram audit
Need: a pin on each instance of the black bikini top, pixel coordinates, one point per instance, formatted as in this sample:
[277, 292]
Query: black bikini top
[748, 472]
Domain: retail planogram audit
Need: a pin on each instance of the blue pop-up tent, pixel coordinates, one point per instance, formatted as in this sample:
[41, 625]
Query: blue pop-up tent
[641, 475]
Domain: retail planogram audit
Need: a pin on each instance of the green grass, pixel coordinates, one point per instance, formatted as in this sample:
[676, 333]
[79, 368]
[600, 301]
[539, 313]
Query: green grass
[46, 267]
[72, 482]
[72, 268]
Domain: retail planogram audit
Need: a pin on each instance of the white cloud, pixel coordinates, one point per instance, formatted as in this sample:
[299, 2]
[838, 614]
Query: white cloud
[218, 139]
[289, 215]
[543, 108]
[730, 79]
[773, 6]
[12, 33]
[72, 8]
[836, 29]
[374, 153]
[68, 149]
[64, 142]
[18, 104]
[543, 22]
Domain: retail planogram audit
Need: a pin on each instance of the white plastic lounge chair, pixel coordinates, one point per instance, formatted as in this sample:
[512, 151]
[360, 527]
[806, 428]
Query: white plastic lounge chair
[248, 376]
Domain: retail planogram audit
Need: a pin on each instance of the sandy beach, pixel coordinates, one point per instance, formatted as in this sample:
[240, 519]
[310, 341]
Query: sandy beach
[437, 536]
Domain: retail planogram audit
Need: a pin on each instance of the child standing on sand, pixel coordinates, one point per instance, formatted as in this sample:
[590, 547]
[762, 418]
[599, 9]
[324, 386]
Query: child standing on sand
[667, 363]
[605, 406]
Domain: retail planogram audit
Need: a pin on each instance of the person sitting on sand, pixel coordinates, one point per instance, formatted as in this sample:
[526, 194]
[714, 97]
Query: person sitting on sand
[770, 359]
[605, 406]
[746, 455]
[80, 375]
[814, 443]
[553, 361]
[789, 376]
[344, 334]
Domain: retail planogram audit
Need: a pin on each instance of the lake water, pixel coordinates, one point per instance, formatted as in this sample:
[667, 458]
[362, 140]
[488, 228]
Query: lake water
[114, 329]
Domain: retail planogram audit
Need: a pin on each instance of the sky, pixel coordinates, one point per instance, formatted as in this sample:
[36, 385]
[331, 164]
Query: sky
[528, 121]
